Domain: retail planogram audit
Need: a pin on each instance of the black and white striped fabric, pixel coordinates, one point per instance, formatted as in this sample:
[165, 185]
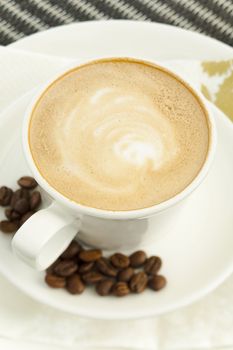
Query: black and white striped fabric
[19, 18]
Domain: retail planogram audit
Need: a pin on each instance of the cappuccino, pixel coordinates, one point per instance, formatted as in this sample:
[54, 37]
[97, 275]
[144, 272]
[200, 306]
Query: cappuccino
[119, 134]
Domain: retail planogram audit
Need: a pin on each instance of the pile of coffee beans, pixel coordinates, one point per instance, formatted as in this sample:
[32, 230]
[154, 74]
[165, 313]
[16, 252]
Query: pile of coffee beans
[78, 268]
[20, 204]
[119, 275]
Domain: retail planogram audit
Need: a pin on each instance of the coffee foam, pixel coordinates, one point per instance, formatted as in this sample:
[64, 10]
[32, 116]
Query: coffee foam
[118, 135]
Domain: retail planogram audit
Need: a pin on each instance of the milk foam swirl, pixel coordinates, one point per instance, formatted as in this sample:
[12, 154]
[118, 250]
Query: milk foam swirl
[124, 134]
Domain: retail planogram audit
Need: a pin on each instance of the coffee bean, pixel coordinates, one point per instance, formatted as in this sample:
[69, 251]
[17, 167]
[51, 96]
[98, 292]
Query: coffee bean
[24, 193]
[75, 285]
[9, 226]
[15, 197]
[125, 275]
[55, 281]
[90, 255]
[85, 267]
[12, 215]
[8, 213]
[25, 217]
[137, 259]
[119, 260]
[50, 269]
[22, 206]
[152, 265]
[19, 194]
[73, 249]
[104, 266]
[138, 282]
[15, 215]
[92, 277]
[66, 268]
[35, 200]
[27, 182]
[157, 282]
[103, 288]
[120, 289]
[5, 196]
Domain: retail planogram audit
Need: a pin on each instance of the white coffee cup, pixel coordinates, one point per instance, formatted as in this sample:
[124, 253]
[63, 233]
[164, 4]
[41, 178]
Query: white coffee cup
[49, 231]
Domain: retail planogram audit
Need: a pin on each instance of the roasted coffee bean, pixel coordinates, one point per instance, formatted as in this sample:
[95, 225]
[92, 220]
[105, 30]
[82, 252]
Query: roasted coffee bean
[27, 182]
[92, 277]
[85, 267]
[19, 194]
[66, 268]
[104, 266]
[138, 282]
[73, 249]
[22, 206]
[90, 255]
[8, 213]
[103, 288]
[15, 215]
[75, 285]
[35, 200]
[120, 289]
[55, 281]
[9, 226]
[5, 196]
[152, 265]
[119, 260]
[157, 282]
[125, 275]
[50, 269]
[12, 215]
[15, 197]
[138, 258]
[24, 193]
[25, 217]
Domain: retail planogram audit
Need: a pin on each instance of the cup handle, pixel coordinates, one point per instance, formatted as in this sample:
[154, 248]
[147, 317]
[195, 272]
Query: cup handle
[44, 236]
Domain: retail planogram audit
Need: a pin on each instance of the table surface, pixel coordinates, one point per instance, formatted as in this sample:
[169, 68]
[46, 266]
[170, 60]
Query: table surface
[19, 18]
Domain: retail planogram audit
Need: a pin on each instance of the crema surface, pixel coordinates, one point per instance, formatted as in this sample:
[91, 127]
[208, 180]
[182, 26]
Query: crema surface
[118, 135]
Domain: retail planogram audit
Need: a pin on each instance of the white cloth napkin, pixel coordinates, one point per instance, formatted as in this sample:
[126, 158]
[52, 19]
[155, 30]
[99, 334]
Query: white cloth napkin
[204, 324]
[21, 72]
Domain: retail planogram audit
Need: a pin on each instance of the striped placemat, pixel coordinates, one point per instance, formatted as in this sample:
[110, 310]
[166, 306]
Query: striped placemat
[19, 18]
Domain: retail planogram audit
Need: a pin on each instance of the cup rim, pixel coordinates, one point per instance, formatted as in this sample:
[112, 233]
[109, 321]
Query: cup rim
[124, 214]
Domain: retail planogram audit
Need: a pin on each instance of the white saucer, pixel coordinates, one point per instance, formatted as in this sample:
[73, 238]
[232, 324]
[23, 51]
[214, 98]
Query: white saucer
[197, 254]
